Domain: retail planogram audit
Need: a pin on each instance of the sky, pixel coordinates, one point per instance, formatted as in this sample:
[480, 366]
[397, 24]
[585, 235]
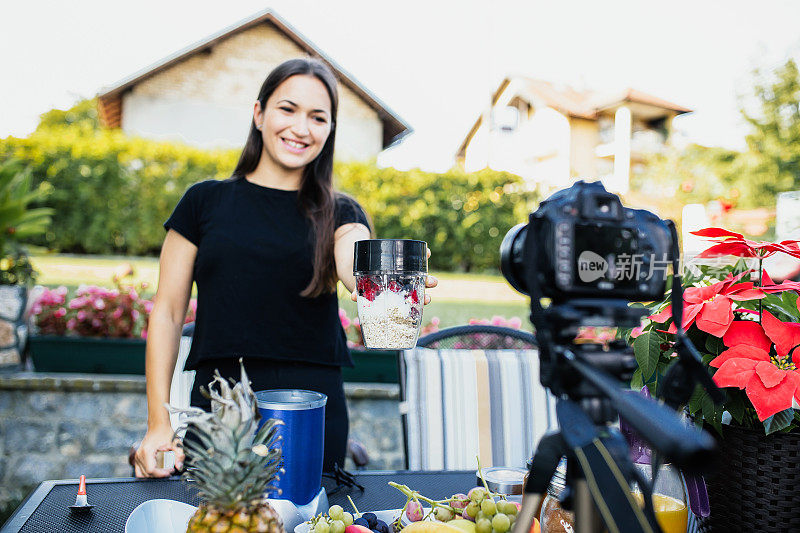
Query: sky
[435, 63]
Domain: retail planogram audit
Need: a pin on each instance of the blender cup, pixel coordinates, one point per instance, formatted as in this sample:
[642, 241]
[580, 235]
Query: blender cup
[390, 285]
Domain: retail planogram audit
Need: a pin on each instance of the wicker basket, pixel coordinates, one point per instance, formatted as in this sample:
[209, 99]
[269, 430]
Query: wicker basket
[756, 485]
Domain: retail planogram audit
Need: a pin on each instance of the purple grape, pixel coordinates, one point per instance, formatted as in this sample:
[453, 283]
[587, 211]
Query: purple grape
[414, 511]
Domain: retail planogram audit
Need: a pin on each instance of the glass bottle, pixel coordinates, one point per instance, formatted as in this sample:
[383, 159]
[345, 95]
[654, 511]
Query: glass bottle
[669, 497]
[554, 518]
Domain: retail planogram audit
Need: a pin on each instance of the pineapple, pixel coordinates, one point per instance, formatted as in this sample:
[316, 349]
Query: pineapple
[235, 466]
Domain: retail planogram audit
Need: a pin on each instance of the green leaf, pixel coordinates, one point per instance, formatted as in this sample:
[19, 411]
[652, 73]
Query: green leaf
[647, 350]
[714, 345]
[778, 421]
[735, 405]
[636, 380]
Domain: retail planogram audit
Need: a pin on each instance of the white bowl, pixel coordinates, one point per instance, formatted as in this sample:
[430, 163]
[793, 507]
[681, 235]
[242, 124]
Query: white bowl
[387, 516]
[160, 516]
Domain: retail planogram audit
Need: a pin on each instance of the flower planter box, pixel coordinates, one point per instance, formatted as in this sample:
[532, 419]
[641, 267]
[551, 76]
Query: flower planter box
[53, 353]
[372, 366]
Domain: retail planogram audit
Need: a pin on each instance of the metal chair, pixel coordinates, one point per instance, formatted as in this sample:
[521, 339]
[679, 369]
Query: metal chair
[493, 370]
[479, 337]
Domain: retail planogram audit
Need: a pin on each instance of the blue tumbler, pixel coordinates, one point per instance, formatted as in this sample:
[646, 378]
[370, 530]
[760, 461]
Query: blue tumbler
[303, 413]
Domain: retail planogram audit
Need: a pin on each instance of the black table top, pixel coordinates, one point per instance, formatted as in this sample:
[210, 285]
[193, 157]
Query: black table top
[46, 510]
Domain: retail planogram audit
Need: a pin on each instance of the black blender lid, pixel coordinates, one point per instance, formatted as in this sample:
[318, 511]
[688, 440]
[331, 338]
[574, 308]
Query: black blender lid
[403, 255]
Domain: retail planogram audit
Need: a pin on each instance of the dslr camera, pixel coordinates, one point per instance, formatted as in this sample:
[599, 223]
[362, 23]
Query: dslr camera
[582, 243]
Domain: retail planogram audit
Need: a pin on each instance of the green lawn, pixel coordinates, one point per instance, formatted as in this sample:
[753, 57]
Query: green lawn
[463, 303]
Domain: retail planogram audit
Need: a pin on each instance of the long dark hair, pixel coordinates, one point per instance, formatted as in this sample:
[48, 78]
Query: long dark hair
[316, 197]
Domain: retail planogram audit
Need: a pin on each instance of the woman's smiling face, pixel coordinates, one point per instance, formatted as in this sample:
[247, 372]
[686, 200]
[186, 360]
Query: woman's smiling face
[296, 122]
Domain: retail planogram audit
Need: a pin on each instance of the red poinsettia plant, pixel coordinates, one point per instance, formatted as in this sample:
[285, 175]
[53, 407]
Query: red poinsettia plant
[747, 329]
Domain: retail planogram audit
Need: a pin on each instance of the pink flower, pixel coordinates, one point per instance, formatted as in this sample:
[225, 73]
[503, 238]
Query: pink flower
[71, 323]
[498, 321]
[96, 322]
[515, 322]
[117, 313]
[81, 315]
[99, 304]
[60, 312]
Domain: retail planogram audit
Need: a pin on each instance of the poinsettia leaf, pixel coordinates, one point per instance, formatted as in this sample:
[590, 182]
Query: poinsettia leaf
[709, 411]
[707, 358]
[716, 233]
[647, 350]
[782, 305]
[636, 380]
[778, 421]
[714, 345]
[735, 405]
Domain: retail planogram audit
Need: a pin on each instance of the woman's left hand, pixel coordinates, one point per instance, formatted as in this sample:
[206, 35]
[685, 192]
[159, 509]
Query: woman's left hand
[430, 282]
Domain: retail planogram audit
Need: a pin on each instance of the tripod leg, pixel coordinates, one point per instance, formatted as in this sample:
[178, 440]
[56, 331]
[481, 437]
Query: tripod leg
[545, 462]
[590, 519]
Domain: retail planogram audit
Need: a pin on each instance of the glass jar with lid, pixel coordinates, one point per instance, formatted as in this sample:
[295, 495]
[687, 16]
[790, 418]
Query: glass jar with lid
[553, 517]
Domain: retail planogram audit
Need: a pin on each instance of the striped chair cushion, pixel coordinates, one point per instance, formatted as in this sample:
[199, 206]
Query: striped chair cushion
[466, 403]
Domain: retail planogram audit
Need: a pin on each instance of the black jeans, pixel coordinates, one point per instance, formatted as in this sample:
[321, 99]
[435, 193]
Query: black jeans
[266, 375]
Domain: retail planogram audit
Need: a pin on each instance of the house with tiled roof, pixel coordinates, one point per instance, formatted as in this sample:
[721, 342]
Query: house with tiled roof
[551, 134]
[204, 94]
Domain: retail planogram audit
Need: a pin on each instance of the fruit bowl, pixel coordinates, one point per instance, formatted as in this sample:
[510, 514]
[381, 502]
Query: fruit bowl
[387, 516]
[160, 516]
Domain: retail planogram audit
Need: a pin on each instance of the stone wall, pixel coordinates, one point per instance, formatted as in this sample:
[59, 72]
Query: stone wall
[59, 426]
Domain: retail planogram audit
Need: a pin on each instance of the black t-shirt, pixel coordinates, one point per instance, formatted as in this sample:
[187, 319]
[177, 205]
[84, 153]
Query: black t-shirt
[254, 257]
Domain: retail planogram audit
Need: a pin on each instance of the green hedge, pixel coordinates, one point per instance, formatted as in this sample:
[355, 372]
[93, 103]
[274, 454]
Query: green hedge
[111, 193]
[463, 217]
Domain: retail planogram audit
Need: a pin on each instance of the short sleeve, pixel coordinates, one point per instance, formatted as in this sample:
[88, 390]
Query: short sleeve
[185, 219]
[349, 211]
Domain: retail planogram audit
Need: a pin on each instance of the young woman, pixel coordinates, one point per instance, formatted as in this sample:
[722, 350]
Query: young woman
[266, 248]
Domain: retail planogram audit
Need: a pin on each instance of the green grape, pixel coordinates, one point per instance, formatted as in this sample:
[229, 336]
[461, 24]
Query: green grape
[347, 518]
[483, 526]
[472, 509]
[489, 507]
[442, 514]
[482, 516]
[322, 527]
[337, 526]
[476, 494]
[506, 507]
[511, 517]
[336, 512]
[501, 523]
[511, 508]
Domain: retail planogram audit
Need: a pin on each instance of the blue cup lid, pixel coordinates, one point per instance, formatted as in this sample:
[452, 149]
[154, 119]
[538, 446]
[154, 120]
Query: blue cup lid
[290, 399]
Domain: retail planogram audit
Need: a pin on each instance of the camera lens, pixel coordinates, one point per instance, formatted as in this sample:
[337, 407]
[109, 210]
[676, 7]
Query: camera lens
[511, 260]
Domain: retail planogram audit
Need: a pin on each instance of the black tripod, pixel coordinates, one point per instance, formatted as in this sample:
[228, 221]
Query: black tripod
[586, 381]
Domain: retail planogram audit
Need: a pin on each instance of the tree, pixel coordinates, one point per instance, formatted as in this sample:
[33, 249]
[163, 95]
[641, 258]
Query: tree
[773, 155]
[82, 115]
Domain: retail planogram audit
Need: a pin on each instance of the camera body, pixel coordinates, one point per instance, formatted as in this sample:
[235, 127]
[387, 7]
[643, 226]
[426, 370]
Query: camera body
[582, 243]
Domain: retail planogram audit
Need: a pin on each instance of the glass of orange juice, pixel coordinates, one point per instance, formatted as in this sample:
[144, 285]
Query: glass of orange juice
[669, 497]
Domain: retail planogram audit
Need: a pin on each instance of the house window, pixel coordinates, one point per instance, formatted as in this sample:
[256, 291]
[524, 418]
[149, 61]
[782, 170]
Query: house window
[606, 126]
